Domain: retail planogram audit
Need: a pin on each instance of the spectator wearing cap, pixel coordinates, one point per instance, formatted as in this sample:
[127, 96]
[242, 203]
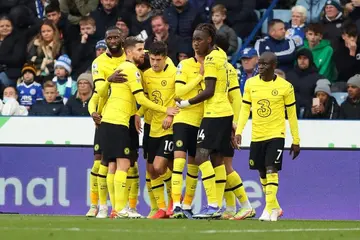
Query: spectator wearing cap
[122, 24]
[347, 53]
[296, 28]
[321, 50]
[66, 86]
[78, 104]
[29, 91]
[249, 66]
[350, 108]
[141, 21]
[285, 49]
[83, 49]
[218, 17]
[75, 9]
[100, 47]
[106, 15]
[183, 18]
[324, 105]
[304, 77]
[314, 9]
[332, 21]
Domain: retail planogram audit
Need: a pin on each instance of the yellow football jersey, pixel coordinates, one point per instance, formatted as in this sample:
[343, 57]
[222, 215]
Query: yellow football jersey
[215, 66]
[187, 86]
[268, 101]
[160, 87]
[120, 104]
[103, 67]
[234, 93]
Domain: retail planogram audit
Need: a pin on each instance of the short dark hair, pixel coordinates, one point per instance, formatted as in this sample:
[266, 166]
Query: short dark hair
[222, 42]
[113, 28]
[159, 15]
[131, 42]
[52, 7]
[350, 29]
[273, 22]
[209, 28]
[317, 28]
[158, 48]
[146, 2]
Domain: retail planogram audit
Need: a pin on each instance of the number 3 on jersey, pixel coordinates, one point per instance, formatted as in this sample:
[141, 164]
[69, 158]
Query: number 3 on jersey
[201, 135]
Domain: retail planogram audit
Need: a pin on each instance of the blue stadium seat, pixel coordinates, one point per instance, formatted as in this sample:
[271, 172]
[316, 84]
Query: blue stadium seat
[237, 50]
[340, 96]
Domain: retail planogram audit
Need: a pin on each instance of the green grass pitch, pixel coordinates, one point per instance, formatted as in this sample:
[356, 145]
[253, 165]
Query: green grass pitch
[28, 227]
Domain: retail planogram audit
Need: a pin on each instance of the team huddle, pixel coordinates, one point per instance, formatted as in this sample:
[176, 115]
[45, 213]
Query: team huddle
[193, 113]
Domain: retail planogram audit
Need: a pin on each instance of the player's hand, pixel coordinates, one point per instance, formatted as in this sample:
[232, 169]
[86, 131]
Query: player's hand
[138, 124]
[172, 111]
[167, 122]
[237, 141]
[118, 77]
[295, 149]
[96, 117]
[183, 104]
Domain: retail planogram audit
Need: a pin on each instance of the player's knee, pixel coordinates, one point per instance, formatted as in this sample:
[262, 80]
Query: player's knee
[201, 155]
[271, 169]
[133, 157]
[262, 174]
[159, 166]
[104, 162]
[228, 165]
[97, 157]
[191, 160]
[123, 164]
[112, 167]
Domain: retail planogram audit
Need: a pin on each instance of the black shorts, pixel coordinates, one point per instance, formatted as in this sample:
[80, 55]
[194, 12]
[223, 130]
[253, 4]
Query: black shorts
[215, 135]
[162, 147]
[185, 138]
[268, 153]
[145, 143]
[134, 136]
[97, 145]
[115, 140]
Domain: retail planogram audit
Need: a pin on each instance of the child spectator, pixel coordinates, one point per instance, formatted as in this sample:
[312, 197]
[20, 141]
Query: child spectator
[100, 47]
[141, 22]
[64, 83]
[9, 106]
[321, 50]
[52, 105]
[78, 104]
[29, 90]
[83, 52]
[218, 18]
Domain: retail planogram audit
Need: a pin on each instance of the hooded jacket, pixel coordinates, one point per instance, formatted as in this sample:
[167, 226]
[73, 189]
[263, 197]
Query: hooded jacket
[323, 59]
[332, 110]
[332, 28]
[304, 81]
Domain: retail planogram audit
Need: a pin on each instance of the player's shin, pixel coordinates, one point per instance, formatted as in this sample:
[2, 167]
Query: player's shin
[153, 204]
[272, 178]
[236, 185]
[133, 178]
[208, 179]
[230, 199]
[158, 191]
[177, 180]
[111, 188]
[191, 183]
[220, 180]
[121, 185]
[94, 191]
[102, 185]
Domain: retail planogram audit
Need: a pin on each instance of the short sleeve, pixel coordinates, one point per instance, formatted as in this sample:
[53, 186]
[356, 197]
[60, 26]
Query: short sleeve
[181, 75]
[97, 72]
[289, 96]
[247, 93]
[135, 81]
[210, 69]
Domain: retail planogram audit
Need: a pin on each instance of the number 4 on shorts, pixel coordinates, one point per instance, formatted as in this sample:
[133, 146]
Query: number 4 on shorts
[201, 135]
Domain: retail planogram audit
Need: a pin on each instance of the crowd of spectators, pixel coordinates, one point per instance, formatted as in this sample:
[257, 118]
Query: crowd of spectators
[47, 47]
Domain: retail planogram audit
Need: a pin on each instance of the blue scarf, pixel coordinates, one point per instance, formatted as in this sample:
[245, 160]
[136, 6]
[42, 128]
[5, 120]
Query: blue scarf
[243, 77]
[68, 89]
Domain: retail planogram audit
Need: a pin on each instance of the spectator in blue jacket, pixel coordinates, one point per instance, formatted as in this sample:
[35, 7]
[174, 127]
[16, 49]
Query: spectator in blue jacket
[284, 49]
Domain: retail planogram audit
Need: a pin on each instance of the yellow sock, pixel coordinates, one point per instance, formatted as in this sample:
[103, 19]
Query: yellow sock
[191, 183]
[102, 186]
[230, 198]
[110, 185]
[271, 191]
[177, 180]
[94, 191]
[153, 204]
[263, 182]
[236, 185]
[220, 180]
[158, 191]
[167, 180]
[120, 190]
[133, 178]
[208, 179]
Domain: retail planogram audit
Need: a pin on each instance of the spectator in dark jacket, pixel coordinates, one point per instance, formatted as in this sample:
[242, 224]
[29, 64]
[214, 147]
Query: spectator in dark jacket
[332, 21]
[78, 104]
[12, 52]
[285, 49]
[327, 106]
[141, 21]
[77, 8]
[240, 15]
[52, 105]
[353, 8]
[183, 18]
[350, 109]
[304, 77]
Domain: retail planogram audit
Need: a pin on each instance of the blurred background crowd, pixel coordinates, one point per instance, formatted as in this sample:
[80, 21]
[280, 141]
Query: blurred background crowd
[47, 47]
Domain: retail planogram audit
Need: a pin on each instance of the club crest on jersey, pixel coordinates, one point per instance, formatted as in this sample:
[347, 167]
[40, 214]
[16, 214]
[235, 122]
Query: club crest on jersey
[32, 91]
[274, 92]
[163, 83]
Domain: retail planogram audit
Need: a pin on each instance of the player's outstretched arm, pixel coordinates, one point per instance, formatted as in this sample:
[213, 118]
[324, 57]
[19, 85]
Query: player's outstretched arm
[201, 97]
[182, 88]
[143, 101]
[290, 105]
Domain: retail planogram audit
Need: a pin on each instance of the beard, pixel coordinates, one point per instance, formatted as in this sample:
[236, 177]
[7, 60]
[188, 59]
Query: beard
[115, 49]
